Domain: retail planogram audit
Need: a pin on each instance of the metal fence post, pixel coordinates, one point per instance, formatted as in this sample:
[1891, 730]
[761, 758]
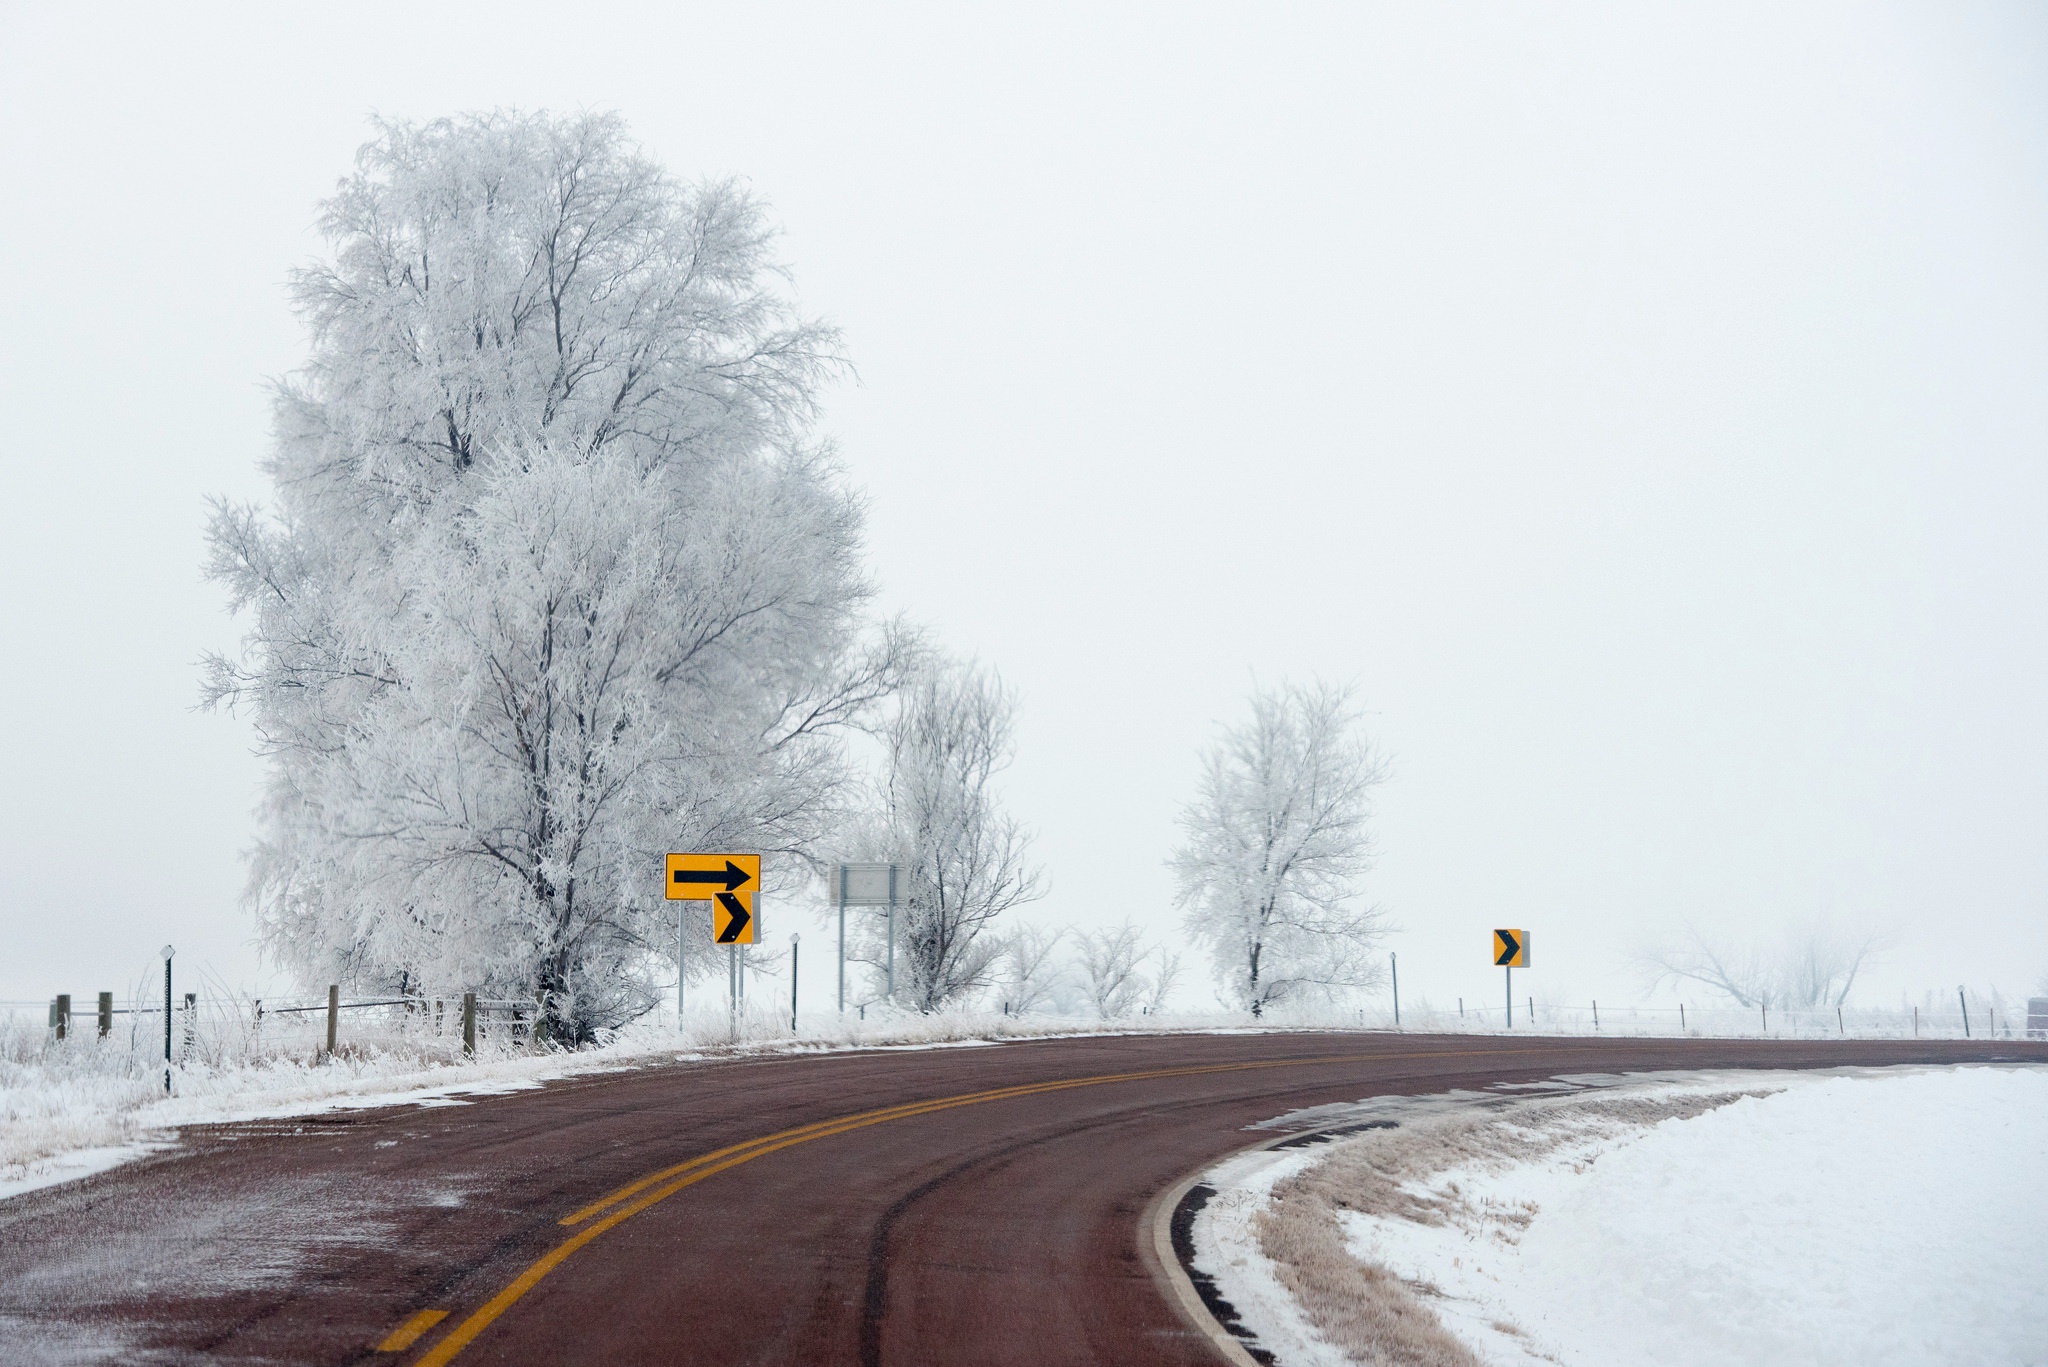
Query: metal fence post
[333, 1015]
[1964, 1002]
[469, 1024]
[106, 1014]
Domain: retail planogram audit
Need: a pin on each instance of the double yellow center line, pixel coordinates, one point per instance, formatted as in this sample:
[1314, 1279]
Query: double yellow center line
[615, 1209]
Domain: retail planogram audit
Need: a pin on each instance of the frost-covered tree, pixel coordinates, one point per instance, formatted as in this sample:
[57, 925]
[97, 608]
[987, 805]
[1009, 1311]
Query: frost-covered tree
[1813, 965]
[1111, 964]
[1028, 976]
[1274, 845]
[1121, 972]
[935, 811]
[553, 578]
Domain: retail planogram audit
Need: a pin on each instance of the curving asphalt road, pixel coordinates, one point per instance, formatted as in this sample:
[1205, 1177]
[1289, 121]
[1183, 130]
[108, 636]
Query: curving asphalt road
[941, 1206]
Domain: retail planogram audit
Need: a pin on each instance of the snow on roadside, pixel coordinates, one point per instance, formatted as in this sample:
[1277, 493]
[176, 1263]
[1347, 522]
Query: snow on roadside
[1227, 1249]
[1867, 1217]
[1867, 1220]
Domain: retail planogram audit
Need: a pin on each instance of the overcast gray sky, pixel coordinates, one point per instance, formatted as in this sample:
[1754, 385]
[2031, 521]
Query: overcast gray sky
[1647, 406]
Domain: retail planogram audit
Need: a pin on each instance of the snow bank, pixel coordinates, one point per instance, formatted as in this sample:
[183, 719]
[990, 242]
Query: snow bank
[1853, 1220]
[1865, 1217]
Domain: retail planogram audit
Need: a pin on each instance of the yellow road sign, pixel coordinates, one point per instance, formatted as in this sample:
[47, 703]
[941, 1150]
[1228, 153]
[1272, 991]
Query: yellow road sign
[732, 919]
[1511, 948]
[702, 877]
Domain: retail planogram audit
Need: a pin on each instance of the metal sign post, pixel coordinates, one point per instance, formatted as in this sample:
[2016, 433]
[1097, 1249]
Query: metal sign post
[867, 885]
[1510, 952]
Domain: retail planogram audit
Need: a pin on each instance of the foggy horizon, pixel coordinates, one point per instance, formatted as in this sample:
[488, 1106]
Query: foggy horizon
[1643, 411]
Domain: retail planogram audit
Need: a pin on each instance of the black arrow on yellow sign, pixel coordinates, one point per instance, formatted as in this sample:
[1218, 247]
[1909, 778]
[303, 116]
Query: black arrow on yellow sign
[732, 875]
[734, 931]
[1507, 949]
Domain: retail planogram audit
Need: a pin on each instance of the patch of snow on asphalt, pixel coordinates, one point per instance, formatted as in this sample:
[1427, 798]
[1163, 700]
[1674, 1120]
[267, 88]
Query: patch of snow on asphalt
[1886, 1217]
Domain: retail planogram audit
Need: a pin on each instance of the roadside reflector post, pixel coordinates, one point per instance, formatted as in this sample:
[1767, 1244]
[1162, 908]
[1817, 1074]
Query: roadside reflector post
[469, 1024]
[191, 1022]
[1681, 1018]
[167, 953]
[333, 1015]
[1961, 1001]
[1394, 967]
[1596, 1015]
[792, 982]
[106, 1014]
[1532, 1012]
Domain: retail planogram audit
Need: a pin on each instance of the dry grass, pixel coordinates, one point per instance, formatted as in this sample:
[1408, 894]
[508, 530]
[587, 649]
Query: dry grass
[1367, 1311]
[1364, 1309]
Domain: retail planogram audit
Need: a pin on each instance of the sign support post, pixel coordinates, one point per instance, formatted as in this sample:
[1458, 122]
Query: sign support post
[1510, 952]
[868, 885]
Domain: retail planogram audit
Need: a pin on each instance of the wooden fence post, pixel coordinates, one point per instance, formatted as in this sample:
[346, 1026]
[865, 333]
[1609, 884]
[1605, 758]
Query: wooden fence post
[469, 1024]
[333, 1015]
[106, 1014]
[63, 1014]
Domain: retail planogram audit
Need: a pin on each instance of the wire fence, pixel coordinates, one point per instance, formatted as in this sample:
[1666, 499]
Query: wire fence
[224, 1030]
[1537, 1016]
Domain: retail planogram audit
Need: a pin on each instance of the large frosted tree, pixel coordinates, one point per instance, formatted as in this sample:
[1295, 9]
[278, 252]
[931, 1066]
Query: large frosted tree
[554, 578]
[1274, 845]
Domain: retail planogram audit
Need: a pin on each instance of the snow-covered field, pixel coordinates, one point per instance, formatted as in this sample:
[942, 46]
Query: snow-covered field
[1866, 1217]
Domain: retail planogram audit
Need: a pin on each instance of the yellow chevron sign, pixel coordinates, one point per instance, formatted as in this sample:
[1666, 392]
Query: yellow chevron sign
[1511, 949]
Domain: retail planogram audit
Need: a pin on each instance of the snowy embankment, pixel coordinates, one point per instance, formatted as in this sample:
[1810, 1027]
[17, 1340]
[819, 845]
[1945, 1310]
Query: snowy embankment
[72, 1107]
[1865, 1217]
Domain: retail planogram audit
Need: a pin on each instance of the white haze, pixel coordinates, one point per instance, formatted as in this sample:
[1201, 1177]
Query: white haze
[1642, 405]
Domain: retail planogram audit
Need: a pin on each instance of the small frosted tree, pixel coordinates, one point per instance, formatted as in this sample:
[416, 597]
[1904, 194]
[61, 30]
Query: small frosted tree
[1812, 966]
[935, 811]
[1028, 976]
[1120, 972]
[1111, 963]
[1273, 848]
